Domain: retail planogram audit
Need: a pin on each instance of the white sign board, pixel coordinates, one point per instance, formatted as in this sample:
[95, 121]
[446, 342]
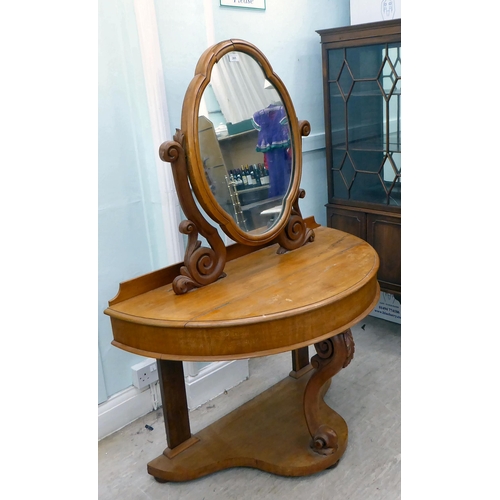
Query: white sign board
[370, 11]
[248, 4]
[388, 308]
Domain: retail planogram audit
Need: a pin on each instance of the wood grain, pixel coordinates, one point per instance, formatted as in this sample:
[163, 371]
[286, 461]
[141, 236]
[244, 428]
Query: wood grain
[267, 303]
[268, 433]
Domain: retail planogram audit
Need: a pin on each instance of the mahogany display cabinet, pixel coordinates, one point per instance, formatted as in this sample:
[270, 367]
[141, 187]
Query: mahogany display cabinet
[362, 106]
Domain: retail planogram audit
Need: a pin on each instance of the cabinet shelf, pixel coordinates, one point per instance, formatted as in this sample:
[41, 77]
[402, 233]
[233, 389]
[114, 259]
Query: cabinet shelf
[373, 93]
[373, 195]
[238, 135]
[369, 147]
[375, 143]
[264, 204]
[252, 190]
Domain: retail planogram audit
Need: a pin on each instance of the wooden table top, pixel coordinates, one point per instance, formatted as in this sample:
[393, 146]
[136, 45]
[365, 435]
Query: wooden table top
[267, 303]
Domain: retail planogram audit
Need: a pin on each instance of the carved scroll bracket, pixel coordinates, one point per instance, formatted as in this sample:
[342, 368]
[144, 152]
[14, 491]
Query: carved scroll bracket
[202, 265]
[296, 233]
[332, 355]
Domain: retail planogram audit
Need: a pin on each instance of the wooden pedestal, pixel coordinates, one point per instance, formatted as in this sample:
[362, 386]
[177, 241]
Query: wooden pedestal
[269, 433]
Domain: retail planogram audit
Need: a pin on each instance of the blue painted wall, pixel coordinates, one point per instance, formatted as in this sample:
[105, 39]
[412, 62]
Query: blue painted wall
[131, 239]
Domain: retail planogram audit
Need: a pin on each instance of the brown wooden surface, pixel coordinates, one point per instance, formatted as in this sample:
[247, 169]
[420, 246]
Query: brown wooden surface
[362, 34]
[268, 433]
[175, 409]
[350, 221]
[267, 303]
[333, 354]
[300, 358]
[165, 276]
[202, 265]
[380, 229]
[383, 232]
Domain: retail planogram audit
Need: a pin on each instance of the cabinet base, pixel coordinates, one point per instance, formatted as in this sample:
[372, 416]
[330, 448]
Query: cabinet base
[267, 433]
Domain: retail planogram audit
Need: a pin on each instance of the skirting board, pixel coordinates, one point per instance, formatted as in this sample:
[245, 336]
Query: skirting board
[127, 406]
[213, 380]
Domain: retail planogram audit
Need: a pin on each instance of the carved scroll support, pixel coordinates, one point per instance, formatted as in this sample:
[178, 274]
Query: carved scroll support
[332, 355]
[202, 265]
[296, 233]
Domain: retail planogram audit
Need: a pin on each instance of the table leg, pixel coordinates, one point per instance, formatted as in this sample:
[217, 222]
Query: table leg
[174, 400]
[333, 354]
[300, 362]
[300, 358]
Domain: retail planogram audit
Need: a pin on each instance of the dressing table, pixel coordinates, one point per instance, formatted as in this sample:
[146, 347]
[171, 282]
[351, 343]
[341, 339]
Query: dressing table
[287, 283]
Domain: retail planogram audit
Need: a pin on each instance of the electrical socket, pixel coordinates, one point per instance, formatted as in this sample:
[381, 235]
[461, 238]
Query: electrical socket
[144, 373]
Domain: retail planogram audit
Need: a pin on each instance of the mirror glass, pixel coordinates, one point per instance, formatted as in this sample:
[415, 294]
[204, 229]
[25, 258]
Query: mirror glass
[245, 143]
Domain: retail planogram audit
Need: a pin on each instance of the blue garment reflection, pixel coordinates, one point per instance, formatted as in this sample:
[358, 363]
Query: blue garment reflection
[274, 141]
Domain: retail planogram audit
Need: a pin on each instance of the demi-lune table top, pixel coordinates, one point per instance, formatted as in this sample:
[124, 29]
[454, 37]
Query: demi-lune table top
[267, 303]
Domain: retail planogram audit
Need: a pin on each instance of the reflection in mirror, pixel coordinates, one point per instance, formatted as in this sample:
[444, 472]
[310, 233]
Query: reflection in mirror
[245, 143]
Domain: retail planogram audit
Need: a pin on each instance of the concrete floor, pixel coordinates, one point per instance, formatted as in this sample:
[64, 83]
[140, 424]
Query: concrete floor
[367, 394]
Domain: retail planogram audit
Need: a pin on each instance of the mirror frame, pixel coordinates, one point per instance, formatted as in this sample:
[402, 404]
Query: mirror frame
[189, 125]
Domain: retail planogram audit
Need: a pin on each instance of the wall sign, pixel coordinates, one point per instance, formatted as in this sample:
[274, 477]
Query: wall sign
[388, 9]
[247, 4]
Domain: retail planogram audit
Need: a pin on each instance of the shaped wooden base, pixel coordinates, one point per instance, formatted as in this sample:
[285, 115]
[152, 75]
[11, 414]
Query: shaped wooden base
[269, 433]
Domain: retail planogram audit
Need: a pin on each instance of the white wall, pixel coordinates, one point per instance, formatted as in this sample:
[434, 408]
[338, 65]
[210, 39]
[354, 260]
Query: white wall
[124, 155]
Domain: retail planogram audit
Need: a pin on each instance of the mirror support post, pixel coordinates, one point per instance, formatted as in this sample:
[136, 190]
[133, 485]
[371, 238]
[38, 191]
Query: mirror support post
[202, 265]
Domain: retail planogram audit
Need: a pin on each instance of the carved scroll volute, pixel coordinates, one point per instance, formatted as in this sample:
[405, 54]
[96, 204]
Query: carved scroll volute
[202, 265]
[332, 355]
[295, 233]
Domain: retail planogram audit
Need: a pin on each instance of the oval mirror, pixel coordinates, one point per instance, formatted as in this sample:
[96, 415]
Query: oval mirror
[242, 138]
